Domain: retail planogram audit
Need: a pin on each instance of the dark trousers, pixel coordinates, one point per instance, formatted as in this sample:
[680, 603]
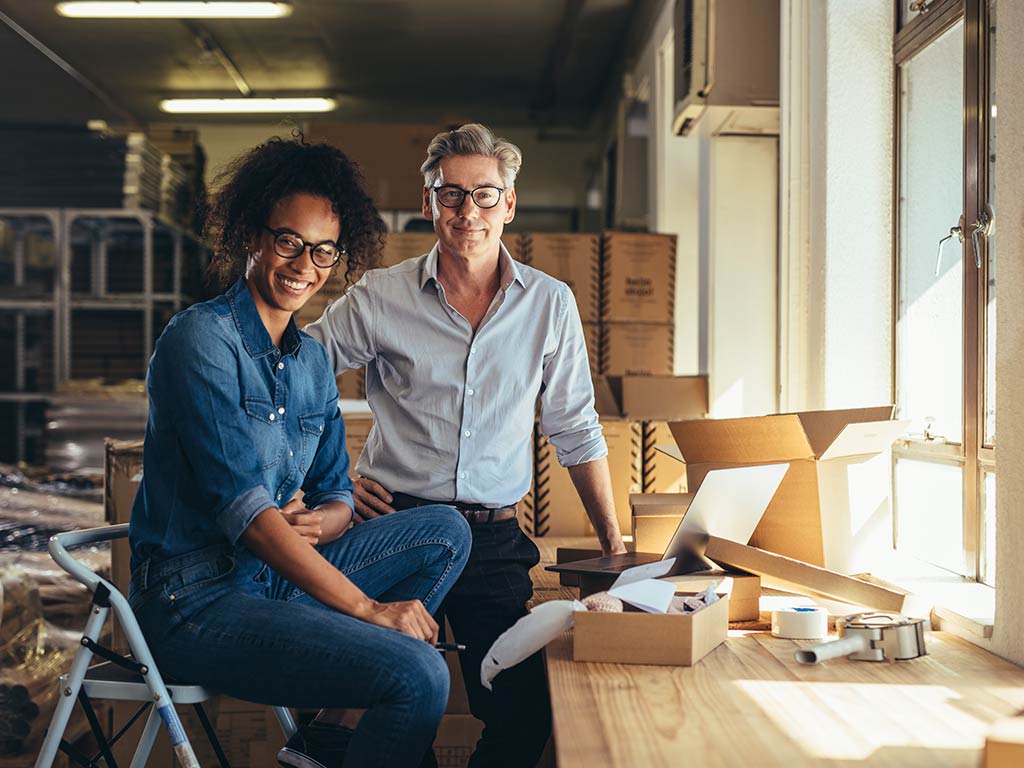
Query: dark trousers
[488, 598]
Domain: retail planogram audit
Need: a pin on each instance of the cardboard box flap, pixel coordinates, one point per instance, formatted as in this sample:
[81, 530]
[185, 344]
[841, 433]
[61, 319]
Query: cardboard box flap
[742, 441]
[823, 427]
[866, 438]
[673, 504]
[652, 398]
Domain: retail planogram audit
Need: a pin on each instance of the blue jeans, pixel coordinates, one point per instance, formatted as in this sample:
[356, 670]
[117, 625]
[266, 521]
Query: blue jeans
[220, 618]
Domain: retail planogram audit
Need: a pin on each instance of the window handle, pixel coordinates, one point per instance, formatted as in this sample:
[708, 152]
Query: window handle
[958, 233]
[982, 228]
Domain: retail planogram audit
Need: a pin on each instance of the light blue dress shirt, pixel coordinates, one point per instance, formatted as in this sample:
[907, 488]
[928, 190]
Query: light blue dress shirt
[453, 409]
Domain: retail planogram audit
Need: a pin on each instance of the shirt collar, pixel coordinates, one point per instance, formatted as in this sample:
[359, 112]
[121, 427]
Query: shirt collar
[508, 271]
[255, 339]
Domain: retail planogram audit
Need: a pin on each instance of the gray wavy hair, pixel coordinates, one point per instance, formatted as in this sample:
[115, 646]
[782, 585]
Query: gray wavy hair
[472, 139]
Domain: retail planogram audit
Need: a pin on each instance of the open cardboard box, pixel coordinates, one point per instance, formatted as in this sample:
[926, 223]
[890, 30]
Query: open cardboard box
[636, 637]
[815, 516]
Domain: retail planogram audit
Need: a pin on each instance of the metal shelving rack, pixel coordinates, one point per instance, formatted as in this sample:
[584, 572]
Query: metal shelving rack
[68, 227]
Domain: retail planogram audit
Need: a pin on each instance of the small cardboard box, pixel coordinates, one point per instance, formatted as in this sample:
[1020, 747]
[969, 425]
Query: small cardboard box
[575, 259]
[636, 349]
[556, 509]
[810, 517]
[639, 278]
[647, 638]
[1004, 745]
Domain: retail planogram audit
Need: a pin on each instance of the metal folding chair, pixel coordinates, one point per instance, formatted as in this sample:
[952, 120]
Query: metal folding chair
[124, 678]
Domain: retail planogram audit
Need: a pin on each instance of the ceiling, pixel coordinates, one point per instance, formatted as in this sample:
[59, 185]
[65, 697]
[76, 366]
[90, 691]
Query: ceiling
[543, 63]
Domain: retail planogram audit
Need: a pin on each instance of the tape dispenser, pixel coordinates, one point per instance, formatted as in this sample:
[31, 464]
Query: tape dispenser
[873, 636]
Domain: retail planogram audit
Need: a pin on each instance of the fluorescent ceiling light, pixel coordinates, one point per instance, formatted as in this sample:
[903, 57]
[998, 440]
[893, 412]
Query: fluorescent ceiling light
[173, 9]
[242, 106]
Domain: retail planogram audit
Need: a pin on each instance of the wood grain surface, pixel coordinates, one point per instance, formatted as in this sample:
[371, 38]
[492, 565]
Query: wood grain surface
[749, 703]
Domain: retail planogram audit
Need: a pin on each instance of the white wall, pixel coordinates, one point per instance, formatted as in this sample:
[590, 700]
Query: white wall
[837, 204]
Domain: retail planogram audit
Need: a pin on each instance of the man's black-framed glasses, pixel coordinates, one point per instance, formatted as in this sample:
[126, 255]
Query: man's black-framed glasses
[288, 245]
[451, 196]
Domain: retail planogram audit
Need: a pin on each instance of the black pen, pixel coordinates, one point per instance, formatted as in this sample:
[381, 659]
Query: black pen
[442, 647]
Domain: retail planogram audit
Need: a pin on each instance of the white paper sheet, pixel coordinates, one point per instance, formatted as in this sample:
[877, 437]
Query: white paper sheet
[640, 572]
[648, 595]
[527, 636]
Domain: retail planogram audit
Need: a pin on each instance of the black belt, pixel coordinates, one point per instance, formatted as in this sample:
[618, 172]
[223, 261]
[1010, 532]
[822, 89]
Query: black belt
[474, 513]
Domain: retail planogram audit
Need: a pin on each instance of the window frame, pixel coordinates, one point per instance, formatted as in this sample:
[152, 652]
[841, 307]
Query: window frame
[972, 454]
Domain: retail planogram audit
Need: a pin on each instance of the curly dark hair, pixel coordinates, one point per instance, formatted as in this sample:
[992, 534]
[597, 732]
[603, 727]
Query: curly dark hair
[252, 184]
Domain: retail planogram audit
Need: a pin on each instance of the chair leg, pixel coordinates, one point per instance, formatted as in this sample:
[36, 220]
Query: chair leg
[212, 736]
[69, 692]
[147, 739]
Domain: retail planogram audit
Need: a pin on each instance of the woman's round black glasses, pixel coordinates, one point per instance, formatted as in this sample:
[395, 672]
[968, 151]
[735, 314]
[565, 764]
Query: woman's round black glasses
[451, 196]
[288, 245]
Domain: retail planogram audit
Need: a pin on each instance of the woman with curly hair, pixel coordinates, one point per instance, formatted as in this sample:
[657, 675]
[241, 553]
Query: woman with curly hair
[237, 585]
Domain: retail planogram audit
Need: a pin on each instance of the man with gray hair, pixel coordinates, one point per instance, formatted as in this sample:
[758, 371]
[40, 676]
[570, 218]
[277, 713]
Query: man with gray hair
[458, 345]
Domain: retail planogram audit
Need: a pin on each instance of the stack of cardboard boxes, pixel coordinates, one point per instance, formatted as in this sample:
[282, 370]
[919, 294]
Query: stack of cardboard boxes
[624, 285]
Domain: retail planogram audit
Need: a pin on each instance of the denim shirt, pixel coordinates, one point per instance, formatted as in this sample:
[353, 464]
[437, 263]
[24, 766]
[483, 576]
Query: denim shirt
[235, 426]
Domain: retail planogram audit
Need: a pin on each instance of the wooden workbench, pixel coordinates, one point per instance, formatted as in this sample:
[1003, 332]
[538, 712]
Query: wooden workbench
[749, 704]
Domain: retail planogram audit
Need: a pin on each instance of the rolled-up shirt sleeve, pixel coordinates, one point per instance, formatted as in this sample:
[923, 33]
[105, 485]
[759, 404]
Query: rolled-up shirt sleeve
[568, 416]
[346, 328]
[327, 477]
[194, 375]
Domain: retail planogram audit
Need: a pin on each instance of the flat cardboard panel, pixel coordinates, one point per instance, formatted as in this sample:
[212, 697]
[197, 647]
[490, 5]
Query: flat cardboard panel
[653, 398]
[575, 259]
[753, 440]
[791, 524]
[646, 638]
[865, 439]
[637, 349]
[794, 576]
[822, 427]
[557, 510]
[638, 278]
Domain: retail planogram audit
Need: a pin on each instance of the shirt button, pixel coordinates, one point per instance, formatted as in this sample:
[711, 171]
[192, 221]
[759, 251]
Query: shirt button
[472, 350]
[280, 366]
[321, 427]
[462, 475]
[273, 416]
[470, 392]
[290, 454]
[279, 497]
[281, 411]
[467, 433]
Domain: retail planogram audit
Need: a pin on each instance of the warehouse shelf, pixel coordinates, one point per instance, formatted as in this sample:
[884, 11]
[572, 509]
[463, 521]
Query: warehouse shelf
[84, 292]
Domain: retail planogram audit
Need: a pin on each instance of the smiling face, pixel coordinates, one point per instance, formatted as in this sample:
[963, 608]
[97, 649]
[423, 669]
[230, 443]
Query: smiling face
[469, 231]
[281, 286]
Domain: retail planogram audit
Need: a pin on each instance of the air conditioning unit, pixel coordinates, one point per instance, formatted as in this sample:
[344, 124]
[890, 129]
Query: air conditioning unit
[726, 66]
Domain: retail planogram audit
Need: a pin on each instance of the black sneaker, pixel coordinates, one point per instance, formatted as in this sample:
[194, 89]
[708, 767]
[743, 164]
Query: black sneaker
[316, 745]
